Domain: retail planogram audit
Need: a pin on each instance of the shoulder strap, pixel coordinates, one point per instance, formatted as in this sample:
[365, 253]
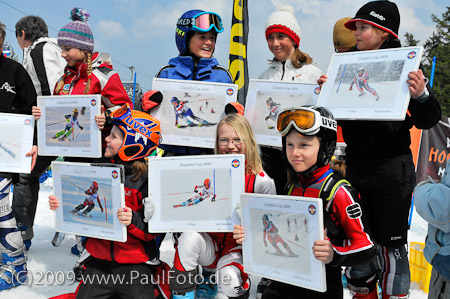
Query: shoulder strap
[162, 69]
[224, 69]
[332, 182]
[250, 186]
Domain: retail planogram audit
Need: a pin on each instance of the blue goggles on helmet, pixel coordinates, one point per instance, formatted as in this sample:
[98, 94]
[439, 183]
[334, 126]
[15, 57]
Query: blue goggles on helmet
[203, 22]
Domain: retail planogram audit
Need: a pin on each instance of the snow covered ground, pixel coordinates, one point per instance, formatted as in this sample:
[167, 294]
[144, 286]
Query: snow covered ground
[50, 267]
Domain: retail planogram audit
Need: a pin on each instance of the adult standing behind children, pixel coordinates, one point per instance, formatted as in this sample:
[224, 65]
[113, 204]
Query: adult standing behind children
[432, 204]
[379, 160]
[43, 62]
[283, 37]
[195, 36]
[17, 95]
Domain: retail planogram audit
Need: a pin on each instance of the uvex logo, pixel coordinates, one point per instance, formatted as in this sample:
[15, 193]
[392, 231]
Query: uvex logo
[329, 123]
[374, 14]
[139, 128]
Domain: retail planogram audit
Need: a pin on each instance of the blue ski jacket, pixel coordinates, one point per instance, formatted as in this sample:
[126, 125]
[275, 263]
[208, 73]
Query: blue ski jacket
[186, 68]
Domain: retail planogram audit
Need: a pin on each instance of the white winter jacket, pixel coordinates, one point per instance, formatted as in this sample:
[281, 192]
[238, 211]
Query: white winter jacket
[279, 71]
[44, 64]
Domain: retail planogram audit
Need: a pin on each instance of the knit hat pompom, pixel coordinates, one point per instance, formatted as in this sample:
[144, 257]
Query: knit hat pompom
[284, 21]
[79, 14]
[77, 34]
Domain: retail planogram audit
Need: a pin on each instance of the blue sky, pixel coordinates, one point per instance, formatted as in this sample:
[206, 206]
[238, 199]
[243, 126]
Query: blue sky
[141, 33]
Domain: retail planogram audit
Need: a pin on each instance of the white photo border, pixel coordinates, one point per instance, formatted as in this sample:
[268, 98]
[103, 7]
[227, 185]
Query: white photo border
[388, 100]
[286, 94]
[195, 135]
[14, 144]
[87, 146]
[109, 227]
[172, 181]
[285, 267]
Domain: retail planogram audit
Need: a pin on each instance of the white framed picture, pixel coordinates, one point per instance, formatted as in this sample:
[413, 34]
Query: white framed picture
[190, 110]
[89, 197]
[370, 85]
[16, 140]
[279, 235]
[267, 98]
[195, 193]
[67, 126]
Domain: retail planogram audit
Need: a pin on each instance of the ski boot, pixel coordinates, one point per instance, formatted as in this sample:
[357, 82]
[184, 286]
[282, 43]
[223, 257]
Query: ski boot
[262, 285]
[387, 296]
[13, 272]
[208, 289]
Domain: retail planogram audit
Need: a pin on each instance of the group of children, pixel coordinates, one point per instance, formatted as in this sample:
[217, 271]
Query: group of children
[378, 163]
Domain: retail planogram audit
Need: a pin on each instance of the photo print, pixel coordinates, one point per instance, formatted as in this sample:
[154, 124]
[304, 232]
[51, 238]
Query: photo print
[16, 140]
[190, 110]
[67, 126]
[89, 197]
[370, 85]
[280, 233]
[266, 99]
[196, 193]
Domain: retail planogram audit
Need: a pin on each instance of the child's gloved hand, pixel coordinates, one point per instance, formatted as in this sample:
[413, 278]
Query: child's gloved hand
[149, 208]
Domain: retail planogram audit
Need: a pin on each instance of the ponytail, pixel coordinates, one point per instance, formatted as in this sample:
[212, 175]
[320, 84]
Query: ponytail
[89, 72]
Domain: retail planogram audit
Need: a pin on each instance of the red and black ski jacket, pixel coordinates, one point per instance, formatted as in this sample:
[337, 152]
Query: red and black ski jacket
[349, 238]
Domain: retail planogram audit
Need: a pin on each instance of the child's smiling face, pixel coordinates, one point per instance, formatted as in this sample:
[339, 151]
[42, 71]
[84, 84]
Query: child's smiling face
[113, 142]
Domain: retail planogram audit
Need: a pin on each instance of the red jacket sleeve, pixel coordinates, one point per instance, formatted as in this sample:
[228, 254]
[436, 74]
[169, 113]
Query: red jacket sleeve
[358, 247]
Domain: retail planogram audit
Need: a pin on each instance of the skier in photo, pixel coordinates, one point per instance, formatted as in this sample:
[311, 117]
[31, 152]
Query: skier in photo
[205, 193]
[271, 233]
[361, 79]
[71, 121]
[274, 108]
[183, 111]
[91, 195]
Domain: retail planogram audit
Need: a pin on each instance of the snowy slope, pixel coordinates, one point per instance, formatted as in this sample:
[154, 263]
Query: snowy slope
[50, 267]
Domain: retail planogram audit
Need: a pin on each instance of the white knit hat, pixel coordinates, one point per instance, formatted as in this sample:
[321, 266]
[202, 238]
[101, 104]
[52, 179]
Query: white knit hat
[285, 22]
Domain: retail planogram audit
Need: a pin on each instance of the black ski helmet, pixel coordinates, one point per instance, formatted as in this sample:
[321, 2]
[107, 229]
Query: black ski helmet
[327, 136]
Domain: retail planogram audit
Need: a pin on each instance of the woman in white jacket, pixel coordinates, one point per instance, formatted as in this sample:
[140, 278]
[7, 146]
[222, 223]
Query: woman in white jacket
[288, 64]
[283, 39]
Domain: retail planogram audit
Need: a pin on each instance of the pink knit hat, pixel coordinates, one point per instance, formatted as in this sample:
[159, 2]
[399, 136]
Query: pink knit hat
[285, 22]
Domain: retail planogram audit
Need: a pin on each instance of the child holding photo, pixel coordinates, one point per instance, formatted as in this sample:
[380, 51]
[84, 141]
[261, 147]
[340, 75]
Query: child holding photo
[218, 252]
[309, 140]
[379, 162]
[127, 145]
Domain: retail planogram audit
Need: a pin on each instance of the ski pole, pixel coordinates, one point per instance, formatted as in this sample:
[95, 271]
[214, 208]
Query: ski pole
[55, 123]
[292, 242]
[77, 186]
[78, 134]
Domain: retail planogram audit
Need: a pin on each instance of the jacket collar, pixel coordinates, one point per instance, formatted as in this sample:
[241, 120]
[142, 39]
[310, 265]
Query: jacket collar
[184, 65]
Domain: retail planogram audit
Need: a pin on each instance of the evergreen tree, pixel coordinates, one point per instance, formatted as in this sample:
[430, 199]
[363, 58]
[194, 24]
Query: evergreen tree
[410, 41]
[438, 45]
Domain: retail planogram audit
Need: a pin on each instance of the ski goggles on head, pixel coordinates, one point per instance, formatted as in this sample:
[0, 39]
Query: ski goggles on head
[306, 121]
[118, 115]
[203, 22]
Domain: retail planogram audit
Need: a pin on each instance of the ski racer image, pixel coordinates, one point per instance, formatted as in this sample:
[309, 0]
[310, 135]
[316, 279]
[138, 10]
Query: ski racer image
[183, 111]
[271, 233]
[203, 194]
[361, 81]
[274, 108]
[91, 196]
[71, 121]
